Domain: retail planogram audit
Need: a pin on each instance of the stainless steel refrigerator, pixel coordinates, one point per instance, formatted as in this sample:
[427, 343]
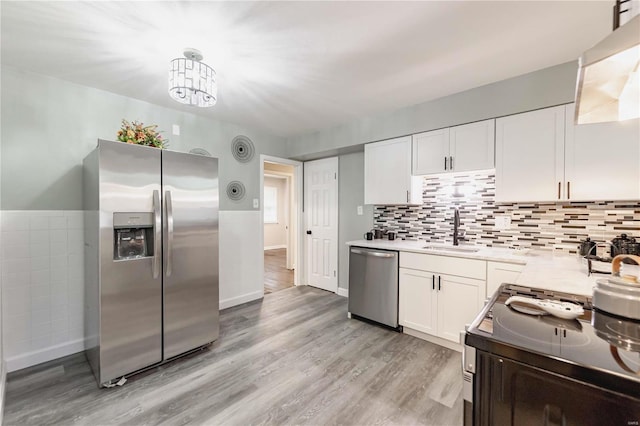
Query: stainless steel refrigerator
[151, 256]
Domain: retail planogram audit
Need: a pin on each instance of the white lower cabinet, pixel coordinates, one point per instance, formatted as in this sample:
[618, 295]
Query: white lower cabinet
[459, 301]
[438, 302]
[501, 272]
[418, 301]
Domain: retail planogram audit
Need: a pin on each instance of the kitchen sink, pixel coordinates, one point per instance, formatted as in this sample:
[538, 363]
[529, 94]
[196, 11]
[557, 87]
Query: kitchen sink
[457, 249]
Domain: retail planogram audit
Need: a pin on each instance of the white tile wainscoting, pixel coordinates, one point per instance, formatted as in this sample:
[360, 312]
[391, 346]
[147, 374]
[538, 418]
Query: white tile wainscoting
[242, 259]
[42, 284]
[42, 263]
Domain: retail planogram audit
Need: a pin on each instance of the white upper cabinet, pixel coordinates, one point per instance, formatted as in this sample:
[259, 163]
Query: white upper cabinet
[542, 156]
[530, 156]
[602, 161]
[387, 173]
[455, 149]
[472, 146]
[431, 152]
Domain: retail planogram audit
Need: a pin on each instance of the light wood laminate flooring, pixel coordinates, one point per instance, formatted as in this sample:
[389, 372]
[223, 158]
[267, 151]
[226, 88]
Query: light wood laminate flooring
[276, 275]
[292, 358]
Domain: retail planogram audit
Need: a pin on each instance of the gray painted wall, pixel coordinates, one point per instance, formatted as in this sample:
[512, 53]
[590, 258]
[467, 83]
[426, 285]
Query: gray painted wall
[50, 125]
[539, 89]
[350, 196]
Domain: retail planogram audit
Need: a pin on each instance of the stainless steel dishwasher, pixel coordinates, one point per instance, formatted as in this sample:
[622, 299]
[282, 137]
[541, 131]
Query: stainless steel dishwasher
[373, 285]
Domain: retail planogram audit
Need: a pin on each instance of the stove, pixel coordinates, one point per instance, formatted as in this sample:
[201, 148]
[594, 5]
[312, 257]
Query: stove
[597, 350]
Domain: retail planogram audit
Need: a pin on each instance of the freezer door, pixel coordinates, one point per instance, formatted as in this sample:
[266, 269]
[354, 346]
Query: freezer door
[190, 192]
[130, 297]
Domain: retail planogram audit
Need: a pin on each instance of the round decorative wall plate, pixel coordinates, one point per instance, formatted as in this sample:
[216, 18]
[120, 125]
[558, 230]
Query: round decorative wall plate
[236, 190]
[242, 148]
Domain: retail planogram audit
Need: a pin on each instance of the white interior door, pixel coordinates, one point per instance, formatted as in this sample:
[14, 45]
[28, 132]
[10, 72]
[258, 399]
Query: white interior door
[321, 213]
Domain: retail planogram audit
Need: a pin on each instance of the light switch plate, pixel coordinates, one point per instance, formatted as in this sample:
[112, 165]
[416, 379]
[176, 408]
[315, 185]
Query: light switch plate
[360, 211]
[175, 130]
[503, 222]
[256, 203]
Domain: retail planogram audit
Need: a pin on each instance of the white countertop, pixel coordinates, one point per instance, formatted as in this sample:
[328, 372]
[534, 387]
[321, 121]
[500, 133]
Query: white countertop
[483, 253]
[560, 272]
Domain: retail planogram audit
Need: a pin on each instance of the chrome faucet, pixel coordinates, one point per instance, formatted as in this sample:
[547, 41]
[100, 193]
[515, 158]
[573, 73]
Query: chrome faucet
[457, 234]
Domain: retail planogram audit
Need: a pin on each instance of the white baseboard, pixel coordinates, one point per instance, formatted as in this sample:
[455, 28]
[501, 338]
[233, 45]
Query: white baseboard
[281, 246]
[38, 357]
[344, 292]
[433, 339]
[239, 300]
[239, 247]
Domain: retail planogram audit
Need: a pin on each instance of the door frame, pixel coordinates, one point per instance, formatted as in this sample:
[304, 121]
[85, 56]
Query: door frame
[297, 183]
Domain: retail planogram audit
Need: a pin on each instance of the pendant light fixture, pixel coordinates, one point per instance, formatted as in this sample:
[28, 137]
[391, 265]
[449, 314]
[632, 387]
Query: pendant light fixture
[608, 76]
[191, 81]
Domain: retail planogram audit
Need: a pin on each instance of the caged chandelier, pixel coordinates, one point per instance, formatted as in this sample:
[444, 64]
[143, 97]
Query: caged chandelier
[192, 82]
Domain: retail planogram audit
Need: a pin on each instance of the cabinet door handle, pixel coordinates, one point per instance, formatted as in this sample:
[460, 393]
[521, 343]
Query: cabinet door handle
[433, 282]
[568, 190]
[559, 188]
[407, 196]
[450, 163]
[439, 286]
[445, 163]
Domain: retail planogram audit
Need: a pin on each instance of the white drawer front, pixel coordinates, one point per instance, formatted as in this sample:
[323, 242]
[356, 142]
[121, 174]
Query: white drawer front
[457, 266]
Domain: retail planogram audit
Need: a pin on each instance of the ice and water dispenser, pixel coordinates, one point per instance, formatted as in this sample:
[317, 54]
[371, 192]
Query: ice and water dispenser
[132, 235]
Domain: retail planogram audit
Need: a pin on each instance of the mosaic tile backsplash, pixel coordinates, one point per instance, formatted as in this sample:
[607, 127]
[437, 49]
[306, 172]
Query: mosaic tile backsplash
[552, 226]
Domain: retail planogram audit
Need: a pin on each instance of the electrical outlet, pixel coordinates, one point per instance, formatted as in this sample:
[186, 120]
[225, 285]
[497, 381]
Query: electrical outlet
[256, 203]
[503, 222]
[175, 130]
[360, 211]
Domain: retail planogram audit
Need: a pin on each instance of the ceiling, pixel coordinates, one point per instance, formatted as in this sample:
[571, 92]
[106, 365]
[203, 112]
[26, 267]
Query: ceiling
[295, 67]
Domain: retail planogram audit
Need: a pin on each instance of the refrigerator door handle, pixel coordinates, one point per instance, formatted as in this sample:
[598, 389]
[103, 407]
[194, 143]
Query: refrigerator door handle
[157, 229]
[167, 197]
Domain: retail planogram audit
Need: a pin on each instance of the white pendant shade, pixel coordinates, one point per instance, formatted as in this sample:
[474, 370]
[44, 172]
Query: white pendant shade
[192, 82]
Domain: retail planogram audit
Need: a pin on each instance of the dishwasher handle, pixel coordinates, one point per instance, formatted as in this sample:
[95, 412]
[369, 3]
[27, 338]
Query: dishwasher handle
[372, 253]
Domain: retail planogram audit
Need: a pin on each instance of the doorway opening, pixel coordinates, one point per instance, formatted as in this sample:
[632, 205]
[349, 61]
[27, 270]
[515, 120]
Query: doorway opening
[280, 205]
